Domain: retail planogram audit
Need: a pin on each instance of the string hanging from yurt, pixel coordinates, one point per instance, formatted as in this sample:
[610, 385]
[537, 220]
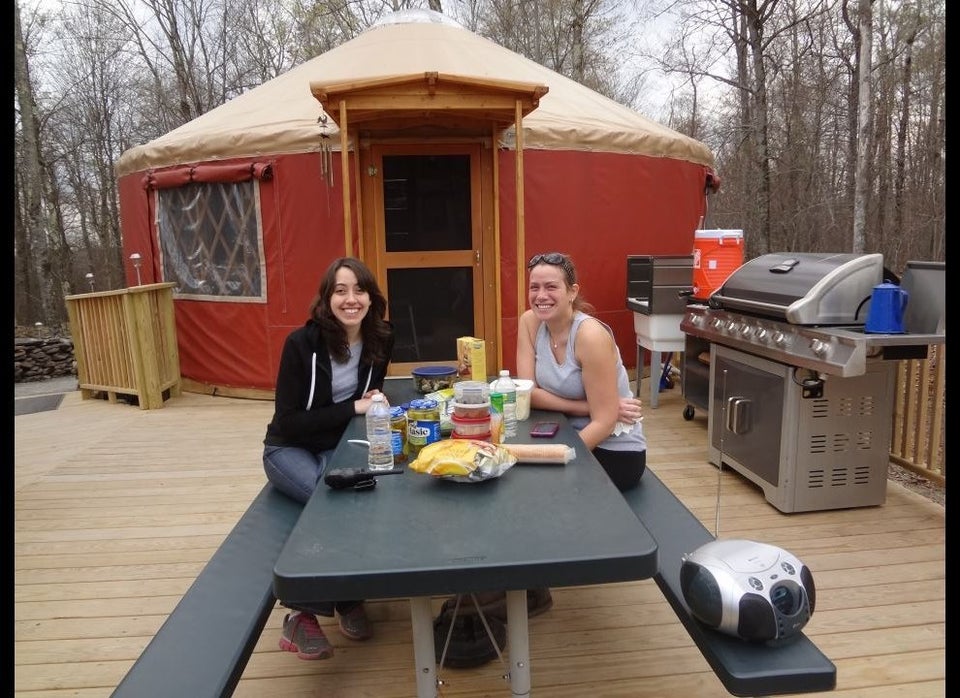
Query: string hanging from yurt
[326, 158]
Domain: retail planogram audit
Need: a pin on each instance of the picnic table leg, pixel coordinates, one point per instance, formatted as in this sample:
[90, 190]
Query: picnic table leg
[518, 642]
[424, 653]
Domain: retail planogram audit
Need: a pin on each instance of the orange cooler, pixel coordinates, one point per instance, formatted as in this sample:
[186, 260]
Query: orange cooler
[716, 255]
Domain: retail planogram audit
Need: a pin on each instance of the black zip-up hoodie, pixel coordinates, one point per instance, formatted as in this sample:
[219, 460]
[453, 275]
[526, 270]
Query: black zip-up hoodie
[305, 414]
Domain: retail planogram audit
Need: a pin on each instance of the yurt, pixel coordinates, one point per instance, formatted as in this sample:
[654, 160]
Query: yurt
[441, 159]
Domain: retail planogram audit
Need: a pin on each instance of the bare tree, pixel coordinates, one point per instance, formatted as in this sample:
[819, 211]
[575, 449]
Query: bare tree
[34, 251]
[864, 125]
[772, 86]
[584, 40]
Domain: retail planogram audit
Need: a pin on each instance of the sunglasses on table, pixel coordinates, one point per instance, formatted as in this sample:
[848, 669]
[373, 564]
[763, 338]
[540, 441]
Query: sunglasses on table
[554, 258]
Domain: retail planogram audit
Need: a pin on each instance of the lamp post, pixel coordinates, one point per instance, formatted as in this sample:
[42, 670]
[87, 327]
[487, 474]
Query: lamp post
[137, 261]
[90, 279]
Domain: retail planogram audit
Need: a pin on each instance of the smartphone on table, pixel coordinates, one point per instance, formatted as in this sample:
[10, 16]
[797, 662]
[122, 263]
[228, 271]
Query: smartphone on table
[544, 430]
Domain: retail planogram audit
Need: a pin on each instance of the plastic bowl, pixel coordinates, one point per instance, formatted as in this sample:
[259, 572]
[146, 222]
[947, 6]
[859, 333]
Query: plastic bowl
[429, 379]
[471, 427]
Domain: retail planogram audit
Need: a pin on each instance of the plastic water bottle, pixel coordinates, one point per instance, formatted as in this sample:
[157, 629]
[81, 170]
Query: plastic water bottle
[380, 456]
[504, 397]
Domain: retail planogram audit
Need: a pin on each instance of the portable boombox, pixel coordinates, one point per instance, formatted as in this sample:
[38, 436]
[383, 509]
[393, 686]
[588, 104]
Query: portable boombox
[751, 590]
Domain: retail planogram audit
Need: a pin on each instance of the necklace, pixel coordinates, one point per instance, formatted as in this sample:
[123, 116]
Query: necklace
[556, 343]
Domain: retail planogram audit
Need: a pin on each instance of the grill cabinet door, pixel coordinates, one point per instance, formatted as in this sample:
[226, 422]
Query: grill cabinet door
[746, 412]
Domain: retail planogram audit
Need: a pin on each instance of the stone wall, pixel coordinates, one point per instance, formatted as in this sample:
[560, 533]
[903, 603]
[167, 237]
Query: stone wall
[37, 359]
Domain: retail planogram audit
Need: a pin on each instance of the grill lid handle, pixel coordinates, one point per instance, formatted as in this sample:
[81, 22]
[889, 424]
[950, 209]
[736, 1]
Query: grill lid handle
[785, 266]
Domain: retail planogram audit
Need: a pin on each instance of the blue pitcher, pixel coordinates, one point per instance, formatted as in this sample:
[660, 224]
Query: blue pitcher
[887, 305]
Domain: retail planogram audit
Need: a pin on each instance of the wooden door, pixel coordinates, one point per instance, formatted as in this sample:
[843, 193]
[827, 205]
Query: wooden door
[427, 247]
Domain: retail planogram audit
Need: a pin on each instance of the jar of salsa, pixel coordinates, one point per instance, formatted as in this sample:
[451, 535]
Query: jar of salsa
[423, 425]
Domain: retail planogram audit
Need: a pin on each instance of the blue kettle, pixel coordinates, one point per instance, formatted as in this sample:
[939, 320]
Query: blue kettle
[887, 305]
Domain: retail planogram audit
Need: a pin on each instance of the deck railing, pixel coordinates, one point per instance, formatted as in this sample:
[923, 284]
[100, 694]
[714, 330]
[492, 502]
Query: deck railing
[125, 343]
[919, 415]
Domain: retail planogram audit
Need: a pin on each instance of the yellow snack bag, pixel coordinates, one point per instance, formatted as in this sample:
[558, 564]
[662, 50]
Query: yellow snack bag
[465, 460]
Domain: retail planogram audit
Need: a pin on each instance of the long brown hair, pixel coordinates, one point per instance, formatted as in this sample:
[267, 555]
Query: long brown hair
[374, 330]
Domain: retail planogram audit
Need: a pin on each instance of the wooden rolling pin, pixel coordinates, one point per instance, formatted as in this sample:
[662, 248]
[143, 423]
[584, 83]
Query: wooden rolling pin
[540, 453]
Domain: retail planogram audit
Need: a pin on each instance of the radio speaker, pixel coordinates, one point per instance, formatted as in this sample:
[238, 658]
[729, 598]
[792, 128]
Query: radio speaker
[754, 591]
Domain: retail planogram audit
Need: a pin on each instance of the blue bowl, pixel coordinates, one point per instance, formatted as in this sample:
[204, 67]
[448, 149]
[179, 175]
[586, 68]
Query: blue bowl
[428, 379]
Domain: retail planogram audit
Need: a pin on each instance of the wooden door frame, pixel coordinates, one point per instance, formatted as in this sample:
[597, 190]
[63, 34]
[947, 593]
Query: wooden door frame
[483, 212]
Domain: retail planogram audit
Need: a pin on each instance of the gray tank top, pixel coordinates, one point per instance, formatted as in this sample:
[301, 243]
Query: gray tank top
[566, 380]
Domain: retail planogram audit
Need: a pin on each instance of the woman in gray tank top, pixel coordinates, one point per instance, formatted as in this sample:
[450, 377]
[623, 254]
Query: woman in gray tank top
[575, 364]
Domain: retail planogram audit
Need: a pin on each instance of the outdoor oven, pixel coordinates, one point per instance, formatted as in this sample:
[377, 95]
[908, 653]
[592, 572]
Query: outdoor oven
[800, 396]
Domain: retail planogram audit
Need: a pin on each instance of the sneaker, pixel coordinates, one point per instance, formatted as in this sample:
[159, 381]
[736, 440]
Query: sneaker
[303, 635]
[355, 625]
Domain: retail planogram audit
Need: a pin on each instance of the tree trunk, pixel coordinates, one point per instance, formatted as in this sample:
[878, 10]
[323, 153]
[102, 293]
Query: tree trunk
[31, 172]
[901, 157]
[759, 125]
[864, 127]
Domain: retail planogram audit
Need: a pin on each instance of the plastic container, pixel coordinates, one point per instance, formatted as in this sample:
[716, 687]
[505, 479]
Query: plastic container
[524, 389]
[503, 399]
[471, 411]
[470, 428]
[716, 255]
[471, 392]
[479, 437]
[380, 452]
[429, 379]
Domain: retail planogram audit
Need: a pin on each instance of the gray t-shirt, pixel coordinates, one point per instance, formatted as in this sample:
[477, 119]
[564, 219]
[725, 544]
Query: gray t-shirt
[344, 378]
[566, 380]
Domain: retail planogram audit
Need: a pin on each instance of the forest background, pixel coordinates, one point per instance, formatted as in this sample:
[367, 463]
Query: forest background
[825, 117]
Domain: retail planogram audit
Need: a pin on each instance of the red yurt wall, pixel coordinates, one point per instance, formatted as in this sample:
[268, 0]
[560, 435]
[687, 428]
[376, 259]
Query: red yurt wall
[598, 207]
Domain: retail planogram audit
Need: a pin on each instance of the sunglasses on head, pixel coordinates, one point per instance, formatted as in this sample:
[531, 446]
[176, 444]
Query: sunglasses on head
[554, 258]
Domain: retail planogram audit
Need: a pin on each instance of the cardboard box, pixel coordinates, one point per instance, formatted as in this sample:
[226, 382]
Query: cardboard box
[471, 359]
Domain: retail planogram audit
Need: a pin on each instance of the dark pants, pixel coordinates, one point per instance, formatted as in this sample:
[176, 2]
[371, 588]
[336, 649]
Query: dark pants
[323, 608]
[624, 467]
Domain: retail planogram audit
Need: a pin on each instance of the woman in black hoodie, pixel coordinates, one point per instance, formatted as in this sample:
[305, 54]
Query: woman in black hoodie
[329, 370]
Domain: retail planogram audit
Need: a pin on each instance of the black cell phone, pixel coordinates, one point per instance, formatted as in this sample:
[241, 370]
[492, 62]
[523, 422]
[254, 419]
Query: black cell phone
[544, 430]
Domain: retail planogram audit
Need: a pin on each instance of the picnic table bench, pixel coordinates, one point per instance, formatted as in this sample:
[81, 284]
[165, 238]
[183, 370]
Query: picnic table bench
[744, 668]
[203, 647]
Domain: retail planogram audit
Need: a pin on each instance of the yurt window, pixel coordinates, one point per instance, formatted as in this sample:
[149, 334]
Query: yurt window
[211, 240]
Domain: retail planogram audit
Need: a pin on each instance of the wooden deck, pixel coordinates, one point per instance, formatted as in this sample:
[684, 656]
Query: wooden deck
[117, 509]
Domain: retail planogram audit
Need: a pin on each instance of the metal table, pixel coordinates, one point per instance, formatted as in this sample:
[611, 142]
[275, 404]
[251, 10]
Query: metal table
[417, 536]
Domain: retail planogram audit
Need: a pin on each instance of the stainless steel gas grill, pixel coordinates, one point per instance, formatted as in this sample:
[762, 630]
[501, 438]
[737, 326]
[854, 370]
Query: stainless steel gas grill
[800, 396]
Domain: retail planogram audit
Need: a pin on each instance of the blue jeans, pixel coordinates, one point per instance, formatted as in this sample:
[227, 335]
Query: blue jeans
[296, 472]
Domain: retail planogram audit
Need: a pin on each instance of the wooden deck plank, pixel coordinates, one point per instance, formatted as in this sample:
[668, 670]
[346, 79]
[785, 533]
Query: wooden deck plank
[117, 509]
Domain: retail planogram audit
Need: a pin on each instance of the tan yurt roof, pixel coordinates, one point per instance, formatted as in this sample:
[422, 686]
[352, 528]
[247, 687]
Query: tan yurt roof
[281, 115]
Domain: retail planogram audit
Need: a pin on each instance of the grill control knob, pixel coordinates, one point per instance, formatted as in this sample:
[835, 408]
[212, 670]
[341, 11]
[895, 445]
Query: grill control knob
[716, 324]
[745, 331]
[779, 338]
[731, 326]
[761, 334]
[818, 347]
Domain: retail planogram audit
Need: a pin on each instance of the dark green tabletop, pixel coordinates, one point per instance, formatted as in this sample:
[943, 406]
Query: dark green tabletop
[417, 535]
